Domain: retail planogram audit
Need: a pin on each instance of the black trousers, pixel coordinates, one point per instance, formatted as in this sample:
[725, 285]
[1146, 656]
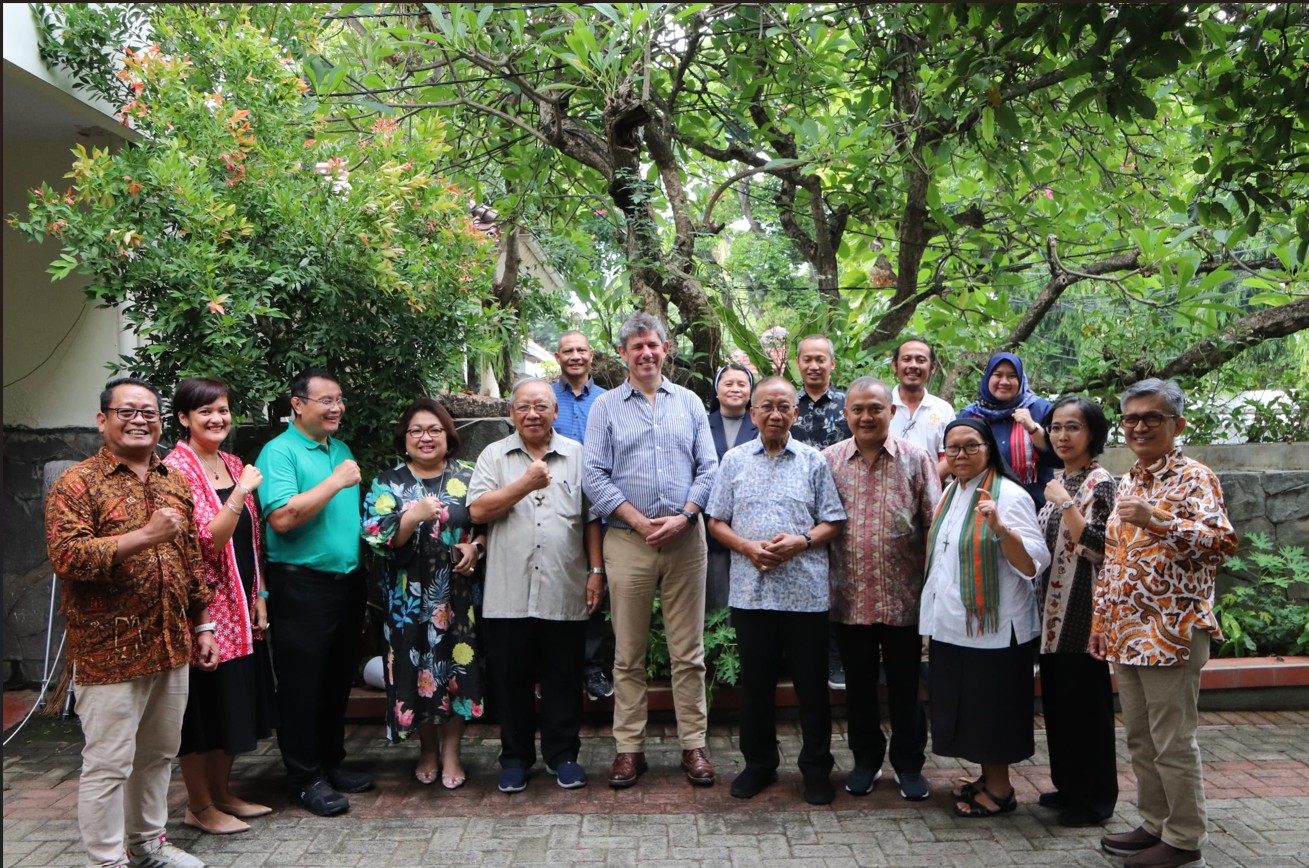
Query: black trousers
[767, 640]
[315, 623]
[518, 650]
[598, 634]
[899, 650]
[1078, 699]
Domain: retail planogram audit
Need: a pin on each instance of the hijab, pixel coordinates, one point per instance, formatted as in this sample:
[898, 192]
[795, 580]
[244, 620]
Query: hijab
[1022, 454]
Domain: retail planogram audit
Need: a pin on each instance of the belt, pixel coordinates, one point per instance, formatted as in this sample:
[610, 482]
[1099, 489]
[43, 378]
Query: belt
[307, 572]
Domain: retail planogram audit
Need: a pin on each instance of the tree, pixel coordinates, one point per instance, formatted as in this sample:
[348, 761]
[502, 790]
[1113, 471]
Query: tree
[929, 160]
[242, 236]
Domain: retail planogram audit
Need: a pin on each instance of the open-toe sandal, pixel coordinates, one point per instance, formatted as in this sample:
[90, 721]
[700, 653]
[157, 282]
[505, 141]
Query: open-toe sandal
[426, 775]
[977, 809]
[969, 788]
[453, 782]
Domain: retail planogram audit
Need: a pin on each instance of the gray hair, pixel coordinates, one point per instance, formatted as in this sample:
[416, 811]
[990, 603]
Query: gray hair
[774, 378]
[1168, 389]
[831, 347]
[513, 393]
[640, 322]
[867, 384]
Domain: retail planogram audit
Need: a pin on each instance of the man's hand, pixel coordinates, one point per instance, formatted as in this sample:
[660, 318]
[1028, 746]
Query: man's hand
[208, 651]
[346, 474]
[665, 530]
[1098, 646]
[1134, 510]
[786, 546]
[537, 475]
[250, 478]
[164, 524]
[595, 592]
[759, 553]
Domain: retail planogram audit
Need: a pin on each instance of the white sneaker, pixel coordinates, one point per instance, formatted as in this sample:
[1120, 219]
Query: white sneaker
[161, 854]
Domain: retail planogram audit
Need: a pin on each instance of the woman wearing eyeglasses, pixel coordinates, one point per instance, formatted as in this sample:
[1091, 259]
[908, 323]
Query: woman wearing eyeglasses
[1076, 695]
[985, 549]
[229, 709]
[1014, 412]
[415, 518]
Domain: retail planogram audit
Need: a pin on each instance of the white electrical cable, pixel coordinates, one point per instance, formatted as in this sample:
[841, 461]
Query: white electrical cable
[40, 696]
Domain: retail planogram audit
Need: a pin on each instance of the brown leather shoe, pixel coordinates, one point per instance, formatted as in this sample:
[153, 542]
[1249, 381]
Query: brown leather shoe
[699, 771]
[1163, 855]
[1129, 843]
[626, 769]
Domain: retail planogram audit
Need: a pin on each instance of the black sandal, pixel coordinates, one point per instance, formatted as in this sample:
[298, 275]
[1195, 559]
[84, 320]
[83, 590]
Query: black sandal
[969, 788]
[977, 810]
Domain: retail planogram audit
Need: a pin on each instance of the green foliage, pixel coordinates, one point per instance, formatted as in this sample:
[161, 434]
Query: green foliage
[1264, 617]
[245, 237]
[722, 659]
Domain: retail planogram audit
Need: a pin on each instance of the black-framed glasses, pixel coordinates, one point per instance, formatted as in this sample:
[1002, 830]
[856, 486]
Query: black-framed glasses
[127, 414]
[966, 449]
[1150, 420]
[419, 433]
[325, 402]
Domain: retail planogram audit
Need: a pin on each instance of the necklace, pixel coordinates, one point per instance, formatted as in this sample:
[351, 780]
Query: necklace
[216, 469]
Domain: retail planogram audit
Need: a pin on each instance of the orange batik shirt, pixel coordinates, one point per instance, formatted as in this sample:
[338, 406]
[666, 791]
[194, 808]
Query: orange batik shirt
[1157, 583]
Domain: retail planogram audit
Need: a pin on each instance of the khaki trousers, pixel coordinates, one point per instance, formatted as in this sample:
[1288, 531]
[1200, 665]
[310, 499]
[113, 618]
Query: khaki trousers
[132, 731]
[677, 572]
[1160, 715]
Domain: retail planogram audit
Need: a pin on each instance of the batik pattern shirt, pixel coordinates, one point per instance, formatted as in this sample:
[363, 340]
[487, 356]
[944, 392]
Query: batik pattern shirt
[125, 620]
[761, 496]
[1157, 584]
[821, 423]
[1065, 589]
[878, 560]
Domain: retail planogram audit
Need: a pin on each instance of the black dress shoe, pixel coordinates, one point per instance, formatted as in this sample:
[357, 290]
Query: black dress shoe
[1079, 818]
[818, 790]
[345, 781]
[751, 781]
[318, 797]
[1053, 799]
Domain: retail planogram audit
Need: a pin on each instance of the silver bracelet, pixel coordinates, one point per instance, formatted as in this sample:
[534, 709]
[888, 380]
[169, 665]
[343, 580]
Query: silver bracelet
[236, 509]
[206, 627]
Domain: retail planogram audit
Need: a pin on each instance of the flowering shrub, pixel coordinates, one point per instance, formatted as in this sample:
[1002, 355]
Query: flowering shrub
[246, 234]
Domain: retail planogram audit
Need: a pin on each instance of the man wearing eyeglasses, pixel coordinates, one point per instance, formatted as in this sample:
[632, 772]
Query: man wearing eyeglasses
[775, 506]
[544, 577]
[920, 417]
[649, 464]
[1154, 620]
[121, 537]
[310, 501]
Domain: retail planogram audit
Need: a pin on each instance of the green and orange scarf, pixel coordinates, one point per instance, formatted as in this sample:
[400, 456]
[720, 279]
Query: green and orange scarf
[979, 557]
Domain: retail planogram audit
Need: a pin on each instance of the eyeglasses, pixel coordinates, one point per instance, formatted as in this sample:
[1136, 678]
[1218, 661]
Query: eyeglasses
[1150, 420]
[539, 407]
[770, 409]
[127, 414]
[325, 402]
[419, 433]
[1070, 428]
[966, 449]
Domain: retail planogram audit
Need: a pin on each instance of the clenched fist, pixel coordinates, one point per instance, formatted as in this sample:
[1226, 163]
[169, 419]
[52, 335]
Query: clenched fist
[165, 524]
[537, 475]
[346, 474]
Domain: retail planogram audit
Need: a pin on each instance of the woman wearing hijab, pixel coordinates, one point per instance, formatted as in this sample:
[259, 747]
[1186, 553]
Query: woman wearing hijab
[985, 549]
[1013, 412]
[729, 422]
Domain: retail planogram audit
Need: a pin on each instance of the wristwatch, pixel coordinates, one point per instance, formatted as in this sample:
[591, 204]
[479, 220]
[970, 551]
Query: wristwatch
[690, 515]
[481, 549]
[596, 571]
[1067, 504]
[808, 540]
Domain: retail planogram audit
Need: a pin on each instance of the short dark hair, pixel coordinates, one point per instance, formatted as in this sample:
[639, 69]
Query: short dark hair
[1096, 423]
[107, 396]
[437, 409]
[300, 382]
[931, 352]
[867, 384]
[193, 393]
[831, 347]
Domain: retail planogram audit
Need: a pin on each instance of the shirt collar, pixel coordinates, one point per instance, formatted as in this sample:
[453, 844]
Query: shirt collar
[898, 401]
[514, 442]
[892, 446]
[756, 445]
[829, 395]
[106, 462]
[632, 390]
[306, 441]
[562, 388]
[1165, 466]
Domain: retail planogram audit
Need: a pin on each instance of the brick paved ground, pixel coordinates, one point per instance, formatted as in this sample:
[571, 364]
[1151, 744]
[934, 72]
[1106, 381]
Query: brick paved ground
[1257, 774]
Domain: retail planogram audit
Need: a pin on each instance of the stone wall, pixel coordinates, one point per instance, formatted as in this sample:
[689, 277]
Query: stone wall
[1267, 490]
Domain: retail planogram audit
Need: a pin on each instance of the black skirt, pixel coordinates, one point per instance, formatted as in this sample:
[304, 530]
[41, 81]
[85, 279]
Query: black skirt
[229, 709]
[981, 702]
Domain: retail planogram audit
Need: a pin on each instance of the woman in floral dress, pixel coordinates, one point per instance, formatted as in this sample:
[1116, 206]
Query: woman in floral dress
[415, 518]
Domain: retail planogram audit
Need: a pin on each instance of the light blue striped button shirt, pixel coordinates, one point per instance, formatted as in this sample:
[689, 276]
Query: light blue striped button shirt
[656, 457]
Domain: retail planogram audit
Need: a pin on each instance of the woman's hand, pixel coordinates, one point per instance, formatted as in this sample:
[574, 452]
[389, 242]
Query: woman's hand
[989, 511]
[1023, 416]
[426, 508]
[465, 558]
[1056, 493]
[259, 616]
[250, 478]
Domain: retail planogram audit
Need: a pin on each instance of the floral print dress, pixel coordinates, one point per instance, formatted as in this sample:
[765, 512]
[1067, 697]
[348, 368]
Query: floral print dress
[433, 664]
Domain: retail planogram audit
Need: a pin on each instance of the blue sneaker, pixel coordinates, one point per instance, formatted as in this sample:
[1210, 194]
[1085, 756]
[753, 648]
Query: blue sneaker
[568, 775]
[513, 780]
[861, 780]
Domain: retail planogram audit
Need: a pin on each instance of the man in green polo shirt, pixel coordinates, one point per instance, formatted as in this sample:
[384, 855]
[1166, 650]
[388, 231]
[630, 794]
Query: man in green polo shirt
[310, 500]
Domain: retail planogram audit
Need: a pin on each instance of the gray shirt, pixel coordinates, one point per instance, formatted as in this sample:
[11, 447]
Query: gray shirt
[536, 553]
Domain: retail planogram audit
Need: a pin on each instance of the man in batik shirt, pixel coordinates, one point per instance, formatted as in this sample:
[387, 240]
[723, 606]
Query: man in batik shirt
[1154, 620]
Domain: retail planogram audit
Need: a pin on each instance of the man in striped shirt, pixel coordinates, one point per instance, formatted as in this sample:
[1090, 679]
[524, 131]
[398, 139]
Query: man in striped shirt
[649, 465]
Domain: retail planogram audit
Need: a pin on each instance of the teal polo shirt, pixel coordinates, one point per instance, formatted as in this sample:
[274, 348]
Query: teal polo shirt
[291, 463]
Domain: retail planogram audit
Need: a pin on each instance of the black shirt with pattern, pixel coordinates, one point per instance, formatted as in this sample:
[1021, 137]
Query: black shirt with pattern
[821, 423]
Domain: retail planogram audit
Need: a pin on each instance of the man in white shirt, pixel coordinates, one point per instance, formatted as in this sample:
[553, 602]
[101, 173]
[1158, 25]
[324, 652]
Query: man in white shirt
[920, 417]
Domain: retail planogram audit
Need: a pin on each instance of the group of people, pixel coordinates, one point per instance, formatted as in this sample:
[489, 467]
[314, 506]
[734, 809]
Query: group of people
[840, 527]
